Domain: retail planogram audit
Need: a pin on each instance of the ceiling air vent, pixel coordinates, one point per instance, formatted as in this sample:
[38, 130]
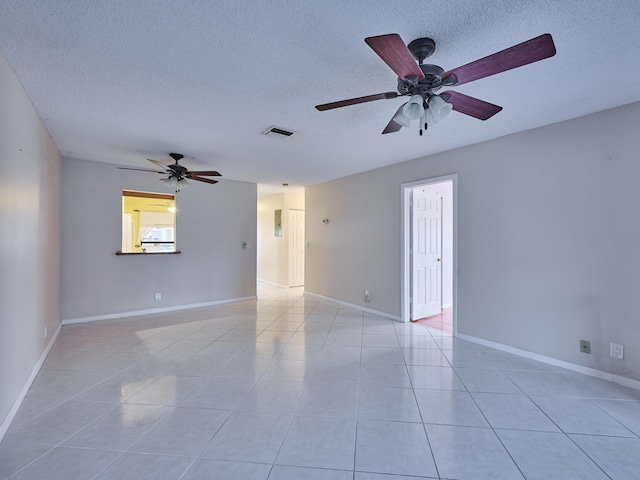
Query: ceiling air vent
[278, 132]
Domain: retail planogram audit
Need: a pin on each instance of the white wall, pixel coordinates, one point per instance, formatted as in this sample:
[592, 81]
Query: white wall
[548, 235]
[213, 221]
[273, 252]
[29, 240]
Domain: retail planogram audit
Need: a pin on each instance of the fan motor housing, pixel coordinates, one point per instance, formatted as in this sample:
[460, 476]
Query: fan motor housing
[431, 82]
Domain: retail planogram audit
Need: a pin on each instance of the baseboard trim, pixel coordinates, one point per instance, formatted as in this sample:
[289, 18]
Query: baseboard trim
[610, 377]
[133, 313]
[23, 393]
[273, 284]
[356, 307]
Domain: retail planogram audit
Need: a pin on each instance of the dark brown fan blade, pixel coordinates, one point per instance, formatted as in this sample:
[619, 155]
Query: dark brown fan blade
[140, 169]
[524, 53]
[354, 101]
[160, 164]
[207, 173]
[395, 53]
[202, 179]
[471, 106]
[393, 126]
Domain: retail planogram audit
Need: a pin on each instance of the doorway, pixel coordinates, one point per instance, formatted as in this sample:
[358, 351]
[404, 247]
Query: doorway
[280, 239]
[429, 249]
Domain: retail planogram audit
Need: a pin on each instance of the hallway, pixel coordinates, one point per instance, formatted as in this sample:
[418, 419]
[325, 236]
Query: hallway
[293, 387]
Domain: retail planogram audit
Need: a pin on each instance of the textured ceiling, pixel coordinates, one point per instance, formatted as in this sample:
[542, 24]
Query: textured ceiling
[122, 81]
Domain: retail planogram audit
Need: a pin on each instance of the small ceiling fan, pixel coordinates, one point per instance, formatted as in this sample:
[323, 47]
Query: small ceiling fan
[177, 174]
[421, 81]
[169, 206]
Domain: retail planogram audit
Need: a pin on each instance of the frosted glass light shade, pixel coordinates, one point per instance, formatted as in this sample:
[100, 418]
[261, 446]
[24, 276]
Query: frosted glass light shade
[439, 108]
[182, 183]
[402, 119]
[413, 109]
[170, 181]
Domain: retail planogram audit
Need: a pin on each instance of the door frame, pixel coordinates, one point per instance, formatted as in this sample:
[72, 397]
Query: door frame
[405, 235]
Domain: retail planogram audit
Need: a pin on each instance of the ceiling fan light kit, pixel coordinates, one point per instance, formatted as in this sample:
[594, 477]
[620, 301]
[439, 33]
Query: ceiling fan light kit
[413, 109]
[177, 175]
[421, 81]
[401, 118]
[174, 183]
[439, 108]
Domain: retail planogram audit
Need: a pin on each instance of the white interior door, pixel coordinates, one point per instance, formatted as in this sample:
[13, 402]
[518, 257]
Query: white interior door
[426, 259]
[296, 248]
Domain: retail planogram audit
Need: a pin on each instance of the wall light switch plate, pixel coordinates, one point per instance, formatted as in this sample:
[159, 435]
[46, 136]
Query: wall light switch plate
[617, 350]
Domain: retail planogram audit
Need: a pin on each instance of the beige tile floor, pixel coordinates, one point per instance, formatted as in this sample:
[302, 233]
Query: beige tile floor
[292, 387]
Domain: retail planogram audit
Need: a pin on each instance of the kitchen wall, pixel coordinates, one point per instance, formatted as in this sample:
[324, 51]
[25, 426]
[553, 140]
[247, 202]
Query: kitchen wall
[213, 222]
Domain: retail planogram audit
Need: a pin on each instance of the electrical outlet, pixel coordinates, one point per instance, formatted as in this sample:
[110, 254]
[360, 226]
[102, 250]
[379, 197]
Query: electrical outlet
[367, 296]
[158, 297]
[585, 346]
[617, 350]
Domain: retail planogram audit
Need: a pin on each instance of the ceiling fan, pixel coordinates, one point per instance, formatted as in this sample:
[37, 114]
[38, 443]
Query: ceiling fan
[169, 206]
[177, 174]
[421, 81]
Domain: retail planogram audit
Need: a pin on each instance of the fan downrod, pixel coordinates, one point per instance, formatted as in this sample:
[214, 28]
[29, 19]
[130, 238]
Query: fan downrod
[422, 48]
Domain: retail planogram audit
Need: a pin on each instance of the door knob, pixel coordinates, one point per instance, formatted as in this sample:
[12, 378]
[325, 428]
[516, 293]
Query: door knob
[439, 259]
